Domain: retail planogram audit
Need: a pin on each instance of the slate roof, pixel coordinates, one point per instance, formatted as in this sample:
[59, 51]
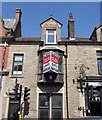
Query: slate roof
[76, 39]
[62, 39]
[28, 39]
[93, 35]
[10, 23]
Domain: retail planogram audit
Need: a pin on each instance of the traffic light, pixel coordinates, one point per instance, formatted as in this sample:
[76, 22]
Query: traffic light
[26, 94]
[16, 90]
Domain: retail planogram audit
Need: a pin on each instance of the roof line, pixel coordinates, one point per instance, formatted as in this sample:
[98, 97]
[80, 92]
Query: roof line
[49, 19]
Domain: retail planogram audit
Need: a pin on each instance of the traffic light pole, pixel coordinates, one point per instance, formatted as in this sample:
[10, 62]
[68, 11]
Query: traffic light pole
[20, 115]
[20, 103]
[20, 95]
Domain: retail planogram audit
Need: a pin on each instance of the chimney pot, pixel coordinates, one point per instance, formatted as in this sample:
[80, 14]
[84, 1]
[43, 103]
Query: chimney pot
[71, 17]
[18, 13]
[71, 27]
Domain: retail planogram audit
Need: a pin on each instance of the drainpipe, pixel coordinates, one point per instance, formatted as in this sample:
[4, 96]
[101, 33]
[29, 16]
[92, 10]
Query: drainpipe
[3, 60]
[1, 75]
[66, 56]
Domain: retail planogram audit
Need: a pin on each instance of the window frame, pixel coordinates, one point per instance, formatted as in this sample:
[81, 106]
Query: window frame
[57, 107]
[43, 107]
[60, 62]
[54, 34]
[99, 57]
[50, 106]
[17, 54]
[99, 67]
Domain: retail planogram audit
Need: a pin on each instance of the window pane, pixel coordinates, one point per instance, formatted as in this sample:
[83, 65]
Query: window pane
[15, 66]
[60, 67]
[51, 31]
[43, 113]
[60, 58]
[50, 38]
[18, 66]
[18, 57]
[43, 100]
[40, 69]
[57, 101]
[57, 113]
[40, 56]
[100, 66]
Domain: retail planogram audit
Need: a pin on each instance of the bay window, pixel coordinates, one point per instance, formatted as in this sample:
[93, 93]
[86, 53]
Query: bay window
[50, 65]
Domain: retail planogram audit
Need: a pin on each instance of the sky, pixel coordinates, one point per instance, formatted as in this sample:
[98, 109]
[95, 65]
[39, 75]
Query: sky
[86, 16]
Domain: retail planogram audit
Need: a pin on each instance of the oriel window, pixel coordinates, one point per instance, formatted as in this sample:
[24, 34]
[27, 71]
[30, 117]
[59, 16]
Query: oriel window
[17, 64]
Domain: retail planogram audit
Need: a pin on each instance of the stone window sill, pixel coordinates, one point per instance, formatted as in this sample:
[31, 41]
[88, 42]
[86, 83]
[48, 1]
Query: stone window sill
[16, 76]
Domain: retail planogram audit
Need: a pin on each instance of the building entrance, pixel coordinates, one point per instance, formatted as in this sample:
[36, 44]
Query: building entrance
[93, 100]
[95, 109]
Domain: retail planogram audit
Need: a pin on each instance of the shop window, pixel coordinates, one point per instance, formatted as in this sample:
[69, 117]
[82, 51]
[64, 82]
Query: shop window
[43, 106]
[93, 100]
[57, 106]
[50, 106]
[17, 64]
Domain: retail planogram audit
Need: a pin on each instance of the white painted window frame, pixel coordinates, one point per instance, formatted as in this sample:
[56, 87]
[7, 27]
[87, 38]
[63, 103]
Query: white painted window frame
[51, 34]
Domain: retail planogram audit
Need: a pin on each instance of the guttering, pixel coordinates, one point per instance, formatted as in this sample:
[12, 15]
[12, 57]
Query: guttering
[66, 79]
[80, 42]
[3, 60]
[3, 44]
[6, 38]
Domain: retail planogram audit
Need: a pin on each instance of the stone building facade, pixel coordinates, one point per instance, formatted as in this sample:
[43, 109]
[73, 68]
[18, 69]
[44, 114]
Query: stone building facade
[64, 74]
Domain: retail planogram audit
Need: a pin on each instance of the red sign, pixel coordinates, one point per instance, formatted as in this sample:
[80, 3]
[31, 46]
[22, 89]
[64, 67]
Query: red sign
[46, 59]
[50, 62]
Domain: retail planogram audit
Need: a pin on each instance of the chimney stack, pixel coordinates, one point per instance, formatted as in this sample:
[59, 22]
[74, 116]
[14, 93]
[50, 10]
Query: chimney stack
[18, 13]
[71, 27]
